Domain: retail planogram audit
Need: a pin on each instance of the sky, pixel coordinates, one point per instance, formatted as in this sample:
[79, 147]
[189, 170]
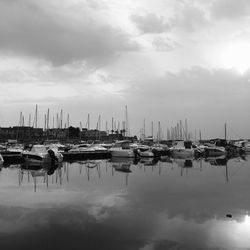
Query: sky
[166, 60]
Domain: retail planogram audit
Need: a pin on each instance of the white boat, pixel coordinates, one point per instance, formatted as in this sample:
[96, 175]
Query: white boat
[122, 149]
[59, 147]
[147, 153]
[106, 145]
[160, 149]
[182, 149]
[40, 154]
[15, 148]
[213, 150]
[82, 148]
[98, 148]
[1, 159]
[247, 148]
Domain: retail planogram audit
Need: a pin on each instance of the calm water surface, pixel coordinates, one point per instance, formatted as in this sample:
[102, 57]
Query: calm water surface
[171, 204]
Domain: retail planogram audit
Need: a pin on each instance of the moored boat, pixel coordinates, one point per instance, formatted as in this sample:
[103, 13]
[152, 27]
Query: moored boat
[182, 149]
[246, 147]
[213, 150]
[122, 149]
[40, 154]
[82, 148]
[147, 153]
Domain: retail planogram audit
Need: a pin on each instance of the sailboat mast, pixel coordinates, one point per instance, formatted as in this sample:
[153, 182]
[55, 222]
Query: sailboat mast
[36, 117]
[57, 121]
[20, 119]
[186, 130]
[225, 131]
[126, 124]
[112, 125]
[159, 131]
[48, 119]
[61, 121]
[68, 120]
[181, 137]
[144, 129]
[152, 129]
[45, 122]
[29, 120]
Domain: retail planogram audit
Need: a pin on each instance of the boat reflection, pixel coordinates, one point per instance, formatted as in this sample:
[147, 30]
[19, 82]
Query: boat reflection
[41, 171]
[89, 165]
[92, 169]
[217, 161]
[184, 163]
[149, 161]
[122, 165]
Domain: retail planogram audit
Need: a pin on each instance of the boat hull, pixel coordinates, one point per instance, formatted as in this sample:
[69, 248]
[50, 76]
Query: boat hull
[147, 154]
[123, 153]
[34, 159]
[214, 152]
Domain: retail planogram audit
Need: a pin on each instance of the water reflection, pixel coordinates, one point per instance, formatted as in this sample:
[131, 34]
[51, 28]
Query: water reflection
[36, 173]
[171, 203]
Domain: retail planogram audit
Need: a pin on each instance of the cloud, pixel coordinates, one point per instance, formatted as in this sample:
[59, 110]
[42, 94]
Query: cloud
[196, 81]
[189, 17]
[29, 29]
[96, 4]
[216, 95]
[230, 9]
[164, 44]
[150, 23]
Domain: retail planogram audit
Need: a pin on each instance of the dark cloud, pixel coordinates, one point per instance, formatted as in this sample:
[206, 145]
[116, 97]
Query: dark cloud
[230, 9]
[150, 23]
[27, 28]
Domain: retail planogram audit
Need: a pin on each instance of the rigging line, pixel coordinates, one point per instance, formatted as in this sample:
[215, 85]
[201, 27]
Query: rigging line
[222, 133]
[234, 132]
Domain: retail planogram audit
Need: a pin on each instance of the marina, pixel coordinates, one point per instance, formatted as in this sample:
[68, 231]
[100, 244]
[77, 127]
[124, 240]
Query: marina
[124, 125]
[169, 194]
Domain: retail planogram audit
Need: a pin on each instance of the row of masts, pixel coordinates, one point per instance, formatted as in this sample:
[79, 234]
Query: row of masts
[59, 123]
[47, 123]
[178, 132]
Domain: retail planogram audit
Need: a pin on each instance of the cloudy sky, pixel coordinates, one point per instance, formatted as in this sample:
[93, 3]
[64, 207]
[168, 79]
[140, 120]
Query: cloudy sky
[167, 60]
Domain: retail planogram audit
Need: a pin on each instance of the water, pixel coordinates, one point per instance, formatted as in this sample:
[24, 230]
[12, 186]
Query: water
[176, 204]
